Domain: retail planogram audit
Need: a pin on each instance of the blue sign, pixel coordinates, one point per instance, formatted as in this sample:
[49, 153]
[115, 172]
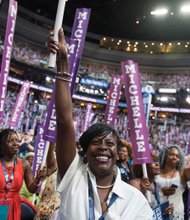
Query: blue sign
[93, 82]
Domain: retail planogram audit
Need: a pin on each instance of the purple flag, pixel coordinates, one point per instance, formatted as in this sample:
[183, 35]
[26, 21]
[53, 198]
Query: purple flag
[87, 116]
[21, 98]
[50, 123]
[113, 99]
[8, 43]
[136, 114]
[39, 150]
[79, 31]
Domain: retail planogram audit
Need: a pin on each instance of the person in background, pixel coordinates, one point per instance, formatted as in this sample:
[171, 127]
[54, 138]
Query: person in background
[124, 161]
[13, 171]
[49, 198]
[95, 188]
[145, 184]
[173, 178]
[25, 145]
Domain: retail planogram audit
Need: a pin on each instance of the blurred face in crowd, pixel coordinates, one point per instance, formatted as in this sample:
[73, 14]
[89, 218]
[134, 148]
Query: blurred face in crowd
[153, 168]
[30, 160]
[102, 154]
[123, 154]
[172, 157]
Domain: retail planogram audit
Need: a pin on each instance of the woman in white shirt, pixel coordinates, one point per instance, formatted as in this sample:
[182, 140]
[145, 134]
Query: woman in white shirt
[93, 190]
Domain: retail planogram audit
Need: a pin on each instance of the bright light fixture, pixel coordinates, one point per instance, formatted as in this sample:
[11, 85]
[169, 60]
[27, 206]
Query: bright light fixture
[185, 8]
[167, 90]
[188, 99]
[159, 12]
[164, 99]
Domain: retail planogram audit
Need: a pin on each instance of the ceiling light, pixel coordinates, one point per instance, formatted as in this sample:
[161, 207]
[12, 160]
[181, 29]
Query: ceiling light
[170, 44]
[152, 43]
[172, 13]
[186, 45]
[188, 99]
[178, 43]
[164, 99]
[167, 90]
[185, 9]
[137, 22]
[104, 38]
[159, 12]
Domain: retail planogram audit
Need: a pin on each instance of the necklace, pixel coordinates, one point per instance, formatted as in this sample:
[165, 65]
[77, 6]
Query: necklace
[105, 187]
[168, 183]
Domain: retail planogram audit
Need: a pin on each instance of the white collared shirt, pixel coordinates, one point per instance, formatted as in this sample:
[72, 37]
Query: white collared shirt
[130, 204]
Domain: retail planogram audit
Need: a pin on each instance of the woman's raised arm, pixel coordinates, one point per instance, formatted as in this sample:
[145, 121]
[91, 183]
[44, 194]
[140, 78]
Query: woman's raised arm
[65, 144]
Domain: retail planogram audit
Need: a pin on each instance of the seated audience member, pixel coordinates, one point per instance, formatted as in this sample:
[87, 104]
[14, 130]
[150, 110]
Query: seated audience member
[124, 161]
[13, 171]
[49, 198]
[93, 190]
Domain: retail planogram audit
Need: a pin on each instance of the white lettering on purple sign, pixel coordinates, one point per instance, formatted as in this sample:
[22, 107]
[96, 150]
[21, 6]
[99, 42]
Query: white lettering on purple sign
[20, 102]
[8, 49]
[40, 150]
[135, 105]
[52, 121]
[113, 99]
[82, 16]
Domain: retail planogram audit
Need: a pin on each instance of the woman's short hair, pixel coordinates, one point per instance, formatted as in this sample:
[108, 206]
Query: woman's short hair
[128, 146]
[93, 131]
[164, 151]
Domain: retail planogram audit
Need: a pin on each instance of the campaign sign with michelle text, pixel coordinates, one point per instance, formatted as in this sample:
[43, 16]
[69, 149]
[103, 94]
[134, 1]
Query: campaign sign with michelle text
[112, 100]
[19, 105]
[136, 114]
[79, 31]
[39, 150]
[7, 51]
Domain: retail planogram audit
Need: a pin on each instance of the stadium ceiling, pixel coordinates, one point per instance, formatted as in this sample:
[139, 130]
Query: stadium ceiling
[125, 19]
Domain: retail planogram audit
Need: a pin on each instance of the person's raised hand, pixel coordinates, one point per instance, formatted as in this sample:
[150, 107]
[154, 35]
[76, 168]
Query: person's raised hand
[59, 47]
[168, 191]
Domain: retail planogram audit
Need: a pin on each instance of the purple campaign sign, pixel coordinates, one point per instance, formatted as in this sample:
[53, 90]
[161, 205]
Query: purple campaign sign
[80, 26]
[50, 124]
[79, 31]
[113, 99]
[21, 98]
[87, 116]
[39, 150]
[8, 43]
[136, 114]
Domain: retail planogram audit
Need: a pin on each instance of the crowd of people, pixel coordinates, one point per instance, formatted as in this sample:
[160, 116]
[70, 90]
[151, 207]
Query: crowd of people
[90, 170]
[32, 55]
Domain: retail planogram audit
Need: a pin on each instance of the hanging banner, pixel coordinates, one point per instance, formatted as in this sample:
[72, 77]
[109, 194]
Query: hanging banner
[7, 51]
[50, 123]
[39, 150]
[113, 99]
[19, 105]
[87, 116]
[79, 32]
[136, 114]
